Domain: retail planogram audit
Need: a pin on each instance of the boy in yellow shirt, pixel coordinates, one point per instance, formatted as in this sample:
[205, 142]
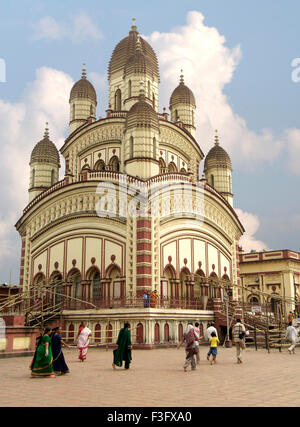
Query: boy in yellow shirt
[213, 342]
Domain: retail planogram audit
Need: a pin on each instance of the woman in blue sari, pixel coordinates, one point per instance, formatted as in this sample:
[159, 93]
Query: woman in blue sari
[59, 365]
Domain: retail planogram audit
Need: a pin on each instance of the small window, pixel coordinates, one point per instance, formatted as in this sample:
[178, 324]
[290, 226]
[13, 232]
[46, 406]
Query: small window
[129, 89]
[118, 100]
[154, 148]
[73, 112]
[131, 148]
[212, 180]
[149, 89]
[52, 176]
[33, 177]
[91, 111]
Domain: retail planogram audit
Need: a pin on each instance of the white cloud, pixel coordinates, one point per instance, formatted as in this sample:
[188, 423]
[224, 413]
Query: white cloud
[208, 65]
[251, 225]
[80, 28]
[292, 138]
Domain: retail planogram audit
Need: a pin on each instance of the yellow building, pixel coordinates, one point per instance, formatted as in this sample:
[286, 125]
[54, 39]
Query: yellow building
[270, 275]
[131, 215]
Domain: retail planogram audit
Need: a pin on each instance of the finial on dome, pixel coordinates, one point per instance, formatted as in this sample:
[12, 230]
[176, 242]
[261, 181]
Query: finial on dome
[46, 134]
[133, 27]
[216, 137]
[138, 43]
[181, 77]
[83, 76]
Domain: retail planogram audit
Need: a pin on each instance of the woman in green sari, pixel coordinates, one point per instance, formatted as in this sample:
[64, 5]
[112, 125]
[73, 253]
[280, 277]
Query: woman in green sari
[123, 352]
[42, 361]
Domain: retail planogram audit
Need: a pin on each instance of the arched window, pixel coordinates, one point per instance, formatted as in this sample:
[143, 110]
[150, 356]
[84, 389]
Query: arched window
[172, 167]
[114, 164]
[99, 166]
[52, 176]
[212, 180]
[182, 170]
[33, 178]
[176, 115]
[73, 112]
[154, 148]
[162, 165]
[153, 101]
[96, 286]
[149, 89]
[129, 89]
[118, 100]
[229, 181]
[91, 110]
[131, 148]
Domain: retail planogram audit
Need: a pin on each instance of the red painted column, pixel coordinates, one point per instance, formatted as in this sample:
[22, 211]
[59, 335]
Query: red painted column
[144, 256]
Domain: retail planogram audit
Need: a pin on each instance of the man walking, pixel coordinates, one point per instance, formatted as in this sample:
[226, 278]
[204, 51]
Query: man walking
[239, 332]
[197, 349]
[291, 335]
[211, 328]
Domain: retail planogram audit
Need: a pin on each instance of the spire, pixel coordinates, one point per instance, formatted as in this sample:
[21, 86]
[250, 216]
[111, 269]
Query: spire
[46, 134]
[134, 27]
[181, 77]
[216, 137]
[83, 75]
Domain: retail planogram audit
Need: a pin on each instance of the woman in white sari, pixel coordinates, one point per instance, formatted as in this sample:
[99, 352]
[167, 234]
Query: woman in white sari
[83, 339]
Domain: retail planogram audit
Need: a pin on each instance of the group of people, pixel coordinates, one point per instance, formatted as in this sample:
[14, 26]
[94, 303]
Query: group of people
[150, 299]
[48, 359]
[192, 337]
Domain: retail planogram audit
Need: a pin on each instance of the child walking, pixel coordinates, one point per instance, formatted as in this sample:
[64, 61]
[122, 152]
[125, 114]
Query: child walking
[213, 350]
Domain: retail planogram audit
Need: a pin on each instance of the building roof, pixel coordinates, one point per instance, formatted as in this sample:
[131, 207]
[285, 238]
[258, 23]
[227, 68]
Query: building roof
[83, 89]
[126, 49]
[142, 114]
[45, 151]
[182, 95]
[217, 157]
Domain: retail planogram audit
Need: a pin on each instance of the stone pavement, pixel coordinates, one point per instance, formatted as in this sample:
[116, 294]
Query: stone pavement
[156, 378]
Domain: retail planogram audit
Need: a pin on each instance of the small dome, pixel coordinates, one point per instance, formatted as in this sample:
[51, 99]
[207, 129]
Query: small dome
[142, 114]
[217, 157]
[139, 62]
[126, 49]
[182, 95]
[83, 89]
[45, 151]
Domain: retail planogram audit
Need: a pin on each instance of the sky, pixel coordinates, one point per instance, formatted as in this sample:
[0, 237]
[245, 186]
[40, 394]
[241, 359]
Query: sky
[241, 60]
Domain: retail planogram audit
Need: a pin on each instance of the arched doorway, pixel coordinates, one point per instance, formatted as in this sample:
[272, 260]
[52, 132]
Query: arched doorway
[180, 332]
[98, 333]
[140, 333]
[166, 333]
[114, 164]
[71, 333]
[156, 334]
[109, 333]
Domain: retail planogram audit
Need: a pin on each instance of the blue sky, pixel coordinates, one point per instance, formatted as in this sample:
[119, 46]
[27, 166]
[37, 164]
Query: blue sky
[260, 91]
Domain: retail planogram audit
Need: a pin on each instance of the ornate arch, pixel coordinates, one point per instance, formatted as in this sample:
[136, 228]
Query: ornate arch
[91, 271]
[110, 268]
[171, 268]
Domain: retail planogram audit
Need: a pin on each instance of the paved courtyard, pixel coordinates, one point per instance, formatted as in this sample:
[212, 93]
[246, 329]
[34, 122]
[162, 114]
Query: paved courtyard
[156, 378]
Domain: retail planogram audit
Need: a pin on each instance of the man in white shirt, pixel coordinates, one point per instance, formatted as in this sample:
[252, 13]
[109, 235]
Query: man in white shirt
[211, 329]
[291, 335]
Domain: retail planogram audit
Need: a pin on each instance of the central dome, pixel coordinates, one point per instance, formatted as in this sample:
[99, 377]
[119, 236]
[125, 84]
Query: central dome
[126, 49]
[142, 114]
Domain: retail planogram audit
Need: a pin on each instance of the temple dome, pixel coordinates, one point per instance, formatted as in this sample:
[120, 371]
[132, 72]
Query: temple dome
[126, 49]
[83, 89]
[182, 95]
[45, 151]
[217, 157]
[142, 114]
